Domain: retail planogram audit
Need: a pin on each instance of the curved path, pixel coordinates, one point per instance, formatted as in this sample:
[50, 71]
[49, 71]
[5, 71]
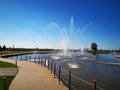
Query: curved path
[32, 76]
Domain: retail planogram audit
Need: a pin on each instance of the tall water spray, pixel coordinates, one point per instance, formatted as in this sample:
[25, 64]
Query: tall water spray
[68, 36]
[69, 39]
[82, 49]
[65, 46]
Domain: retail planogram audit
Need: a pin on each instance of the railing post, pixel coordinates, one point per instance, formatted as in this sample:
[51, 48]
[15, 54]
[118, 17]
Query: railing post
[21, 57]
[59, 73]
[45, 62]
[39, 59]
[30, 58]
[48, 64]
[51, 66]
[26, 57]
[4, 82]
[16, 57]
[34, 59]
[42, 61]
[94, 85]
[54, 69]
[69, 80]
[16, 62]
[11, 57]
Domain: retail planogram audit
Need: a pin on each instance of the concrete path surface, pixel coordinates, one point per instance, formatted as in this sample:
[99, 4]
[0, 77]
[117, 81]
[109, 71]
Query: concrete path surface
[32, 76]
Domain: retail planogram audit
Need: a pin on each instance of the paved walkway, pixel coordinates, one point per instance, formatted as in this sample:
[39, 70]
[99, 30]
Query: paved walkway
[32, 76]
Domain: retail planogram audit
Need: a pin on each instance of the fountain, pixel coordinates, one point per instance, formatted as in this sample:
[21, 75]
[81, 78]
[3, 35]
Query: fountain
[68, 39]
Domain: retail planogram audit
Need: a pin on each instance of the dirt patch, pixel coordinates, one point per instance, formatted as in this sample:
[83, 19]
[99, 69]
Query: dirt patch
[8, 71]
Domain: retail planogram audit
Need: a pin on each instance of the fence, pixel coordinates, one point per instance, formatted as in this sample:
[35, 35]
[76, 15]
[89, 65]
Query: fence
[64, 76]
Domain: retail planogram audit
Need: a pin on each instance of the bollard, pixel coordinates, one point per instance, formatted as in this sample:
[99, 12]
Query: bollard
[59, 73]
[54, 69]
[69, 80]
[94, 85]
[4, 82]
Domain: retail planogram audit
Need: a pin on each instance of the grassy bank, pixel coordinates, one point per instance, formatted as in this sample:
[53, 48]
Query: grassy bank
[6, 64]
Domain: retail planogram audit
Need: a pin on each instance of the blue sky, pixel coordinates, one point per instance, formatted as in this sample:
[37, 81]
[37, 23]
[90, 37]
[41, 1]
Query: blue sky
[38, 23]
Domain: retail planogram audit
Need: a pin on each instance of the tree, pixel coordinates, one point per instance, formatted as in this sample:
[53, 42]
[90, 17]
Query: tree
[119, 50]
[4, 47]
[0, 48]
[94, 47]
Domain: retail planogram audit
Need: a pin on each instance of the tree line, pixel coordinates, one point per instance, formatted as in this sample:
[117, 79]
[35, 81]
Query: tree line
[94, 49]
[5, 48]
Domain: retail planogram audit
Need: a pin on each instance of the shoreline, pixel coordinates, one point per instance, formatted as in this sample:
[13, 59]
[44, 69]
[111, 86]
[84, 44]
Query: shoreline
[25, 53]
[117, 56]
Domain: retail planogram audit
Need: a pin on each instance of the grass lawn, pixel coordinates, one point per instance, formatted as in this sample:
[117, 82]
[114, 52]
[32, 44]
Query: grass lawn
[6, 65]
[8, 81]
[8, 78]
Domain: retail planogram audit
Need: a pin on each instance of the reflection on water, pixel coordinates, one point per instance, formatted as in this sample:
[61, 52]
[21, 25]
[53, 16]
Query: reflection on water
[73, 65]
[105, 70]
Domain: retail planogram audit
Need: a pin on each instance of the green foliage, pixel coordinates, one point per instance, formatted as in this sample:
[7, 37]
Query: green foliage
[8, 81]
[4, 47]
[94, 46]
[0, 47]
[6, 64]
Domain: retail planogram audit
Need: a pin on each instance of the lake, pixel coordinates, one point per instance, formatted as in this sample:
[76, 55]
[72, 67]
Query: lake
[105, 70]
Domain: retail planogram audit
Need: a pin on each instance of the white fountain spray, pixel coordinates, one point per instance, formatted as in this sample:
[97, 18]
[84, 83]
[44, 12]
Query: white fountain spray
[65, 46]
[82, 49]
[69, 37]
